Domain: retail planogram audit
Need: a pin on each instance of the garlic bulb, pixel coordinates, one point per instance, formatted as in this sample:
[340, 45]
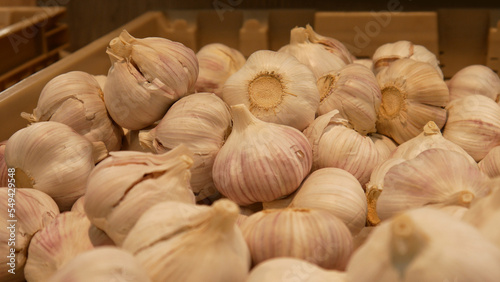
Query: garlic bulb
[314, 235]
[99, 237]
[217, 63]
[125, 185]
[383, 144]
[353, 91]
[51, 157]
[455, 211]
[276, 88]
[170, 238]
[101, 264]
[412, 95]
[101, 79]
[76, 99]
[425, 245]
[57, 243]
[430, 138]
[33, 211]
[318, 56]
[292, 269]
[475, 80]
[473, 120]
[490, 164]
[260, 161]
[336, 144]
[78, 206]
[386, 54]
[336, 191]
[200, 121]
[4, 177]
[146, 77]
[435, 177]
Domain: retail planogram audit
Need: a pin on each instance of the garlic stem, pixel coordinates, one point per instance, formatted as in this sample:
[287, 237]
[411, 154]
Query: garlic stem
[118, 48]
[298, 35]
[462, 198]
[225, 215]
[242, 117]
[372, 195]
[431, 128]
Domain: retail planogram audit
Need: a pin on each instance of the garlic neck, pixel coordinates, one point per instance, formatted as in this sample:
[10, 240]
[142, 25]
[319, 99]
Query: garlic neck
[118, 48]
[393, 102]
[298, 35]
[225, 213]
[242, 117]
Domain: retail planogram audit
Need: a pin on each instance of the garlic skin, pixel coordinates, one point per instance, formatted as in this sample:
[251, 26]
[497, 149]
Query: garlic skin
[122, 187]
[171, 237]
[384, 145]
[354, 92]
[365, 62]
[386, 54]
[336, 191]
[475, 80]
[490, 164]
[201, 122]
[455, 211]
[319, 57]
[435, 177]
[314, 235]
[412, 95]
[57, 243]
[4, 175]
[260, 161]
[33, 211]
[276, 88]
[425, 245]
[217, 62]
[76, 99]
[146, 77]
[51, 157]
[101, 264]
[473, 120]
[101, 79]
[292, 269]
[78, 206]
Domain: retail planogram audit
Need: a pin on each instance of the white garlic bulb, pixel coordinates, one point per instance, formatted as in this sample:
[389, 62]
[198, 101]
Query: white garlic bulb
[123, 186]
[217, 63]
[473, 124]
[425, 245]
[76, 99]
[101, 264]
[352, 90]
[260, 161]
[413, 94]
[383, 144]
[292, 269]
[200, 121]
[4, 177]
[386, 54]
[336, 191]
[314, 235]
[475, 80]
[147, 75]
[319, 57]
[57, 243]
[170, 238]
[435, 177]
[276, 88]
[336, 144]
[51, 157]
[33, 210]
[490, 164]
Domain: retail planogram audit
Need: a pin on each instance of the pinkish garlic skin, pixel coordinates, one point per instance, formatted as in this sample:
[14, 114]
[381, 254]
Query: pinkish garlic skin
[3, 166]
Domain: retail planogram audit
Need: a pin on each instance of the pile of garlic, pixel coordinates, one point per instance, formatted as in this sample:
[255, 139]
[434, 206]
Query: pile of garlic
[302, 164]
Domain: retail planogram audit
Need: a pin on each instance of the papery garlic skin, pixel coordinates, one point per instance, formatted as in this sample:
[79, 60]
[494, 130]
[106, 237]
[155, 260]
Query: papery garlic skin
[412, 95]
[122, 187]
[76, 99]
[386, 54]
[217, 62]
[292, 269]
[455, 211]
[330, 44]
[53, 158]
[260, 161]
[201, 122]
[276, 88]
[365, 62]
[4, 174]
[33, 211]
[147, 75]
[425, 245]
[490, 164]
[336, 191]
[475, 80]
[384, 145]
[473, 120]
[314, 235]
[78, 206]
[101, 264]
[101, 79]
[172, 237]
[354, 92]
[57, 243]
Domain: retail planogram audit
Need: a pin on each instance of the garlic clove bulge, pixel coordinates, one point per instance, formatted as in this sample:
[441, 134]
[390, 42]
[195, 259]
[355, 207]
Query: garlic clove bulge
[260, 161]
[490, 164]
[330, 44]
[276, 88]
[475, 80]
[365, 62]
[78, 206]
